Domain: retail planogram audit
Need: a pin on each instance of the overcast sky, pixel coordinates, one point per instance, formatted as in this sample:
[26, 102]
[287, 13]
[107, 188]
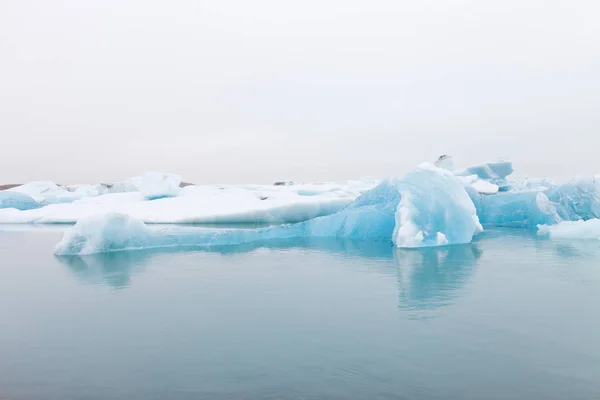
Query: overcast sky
[262, 90]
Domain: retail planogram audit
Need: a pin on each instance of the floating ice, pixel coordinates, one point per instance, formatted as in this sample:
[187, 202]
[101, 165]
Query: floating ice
[198, 204]
[440, 213]
[540, 205]
[46, 192]
[434, 209]
[104, 233]
[17, 201]
[111, 232]
[577, 199]
[156, 185]
[431, 206]
[589, 229]
[516, 210]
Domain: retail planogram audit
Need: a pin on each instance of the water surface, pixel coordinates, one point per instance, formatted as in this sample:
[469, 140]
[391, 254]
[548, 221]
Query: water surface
[509, 316]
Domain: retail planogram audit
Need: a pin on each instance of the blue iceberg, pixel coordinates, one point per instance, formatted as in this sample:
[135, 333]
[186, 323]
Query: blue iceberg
[434, 209]
[16, 200]
[516, 210]
[572, 201]
[576, 200]
[428, 207]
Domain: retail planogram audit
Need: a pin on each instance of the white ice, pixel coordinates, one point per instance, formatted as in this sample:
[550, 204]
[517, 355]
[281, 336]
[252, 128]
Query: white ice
[589, 229]
[204, 204]
[155, 185]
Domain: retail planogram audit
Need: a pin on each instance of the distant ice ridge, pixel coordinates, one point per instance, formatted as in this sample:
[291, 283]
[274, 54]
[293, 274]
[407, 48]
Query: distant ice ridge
[151, 184]
[46, 192]
[428, 207]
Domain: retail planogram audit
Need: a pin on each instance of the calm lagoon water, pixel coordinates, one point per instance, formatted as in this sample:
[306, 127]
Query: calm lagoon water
[510, 316]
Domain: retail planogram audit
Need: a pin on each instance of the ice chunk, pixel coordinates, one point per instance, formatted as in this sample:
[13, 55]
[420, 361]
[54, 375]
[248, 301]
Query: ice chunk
[434, 209]
[516, 210]
[157, 185]
[104, 233]
[589, 229]
[489, 171]
[16, 200]
[532, 203]
[577, 199]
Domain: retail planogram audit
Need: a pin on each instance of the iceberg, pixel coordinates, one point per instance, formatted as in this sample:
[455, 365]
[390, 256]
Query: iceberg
[47, 192]
[428, 207]
[152, 185]
[577, 199]
[540, 203]
[105, 233]
[157, 185]
[434, 210]
[589, 229]
[17, 201]
[197, 205]
[434, 205]
[516, 210]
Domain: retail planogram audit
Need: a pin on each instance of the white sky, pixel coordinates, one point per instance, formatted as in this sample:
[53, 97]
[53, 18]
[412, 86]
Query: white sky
[263, 90]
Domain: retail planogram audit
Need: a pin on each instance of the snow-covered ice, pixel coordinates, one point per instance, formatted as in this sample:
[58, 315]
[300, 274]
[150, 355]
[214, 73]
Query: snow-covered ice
[46, 192]
[203, 204]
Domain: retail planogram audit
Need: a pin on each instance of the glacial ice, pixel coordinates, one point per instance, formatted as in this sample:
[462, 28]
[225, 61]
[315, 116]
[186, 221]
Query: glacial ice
[528, 207]
[434, 205]
[489, 171]
[201, 205]
[577, 199]
[111, 232]
[516, 210]
[440, 212]
[434, 210]
[157, 185]
[46, 192]
[17, 201]
[581, 229]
